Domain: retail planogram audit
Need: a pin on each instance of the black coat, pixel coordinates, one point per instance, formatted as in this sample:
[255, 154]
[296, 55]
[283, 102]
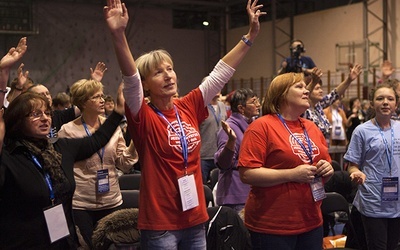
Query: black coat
[24, 193]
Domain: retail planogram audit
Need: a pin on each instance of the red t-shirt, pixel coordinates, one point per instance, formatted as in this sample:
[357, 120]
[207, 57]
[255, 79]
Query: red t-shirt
[162, 163]
[288, 208]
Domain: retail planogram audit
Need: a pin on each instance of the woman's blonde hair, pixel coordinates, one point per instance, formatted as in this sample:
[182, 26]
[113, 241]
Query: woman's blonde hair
[82, 90]
[149, 61]
[277, 91]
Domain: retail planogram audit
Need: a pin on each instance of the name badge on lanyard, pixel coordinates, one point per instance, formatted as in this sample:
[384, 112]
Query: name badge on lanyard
[188, 192]
[187, 183]
[317, 189]
[56, 222]
[103, 182]
[390, 185]
[390, 188]
[54, 215]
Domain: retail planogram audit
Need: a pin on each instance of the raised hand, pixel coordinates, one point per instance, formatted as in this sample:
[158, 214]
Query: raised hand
[116, 15]
[98, 72]
[387, 69]
[22, 76]
[254, 12]
[231, 134]
[355, 71]
[14, 54]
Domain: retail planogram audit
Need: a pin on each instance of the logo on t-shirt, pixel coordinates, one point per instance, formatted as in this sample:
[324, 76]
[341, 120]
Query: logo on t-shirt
[299, 151]
[174, 133]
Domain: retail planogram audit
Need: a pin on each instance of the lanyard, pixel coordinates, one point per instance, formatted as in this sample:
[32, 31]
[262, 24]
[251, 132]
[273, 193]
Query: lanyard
[181, 135]
[217, 118]
[46, 177]
[309, 151]
[389, 153]
[100, 154]
[335, 115]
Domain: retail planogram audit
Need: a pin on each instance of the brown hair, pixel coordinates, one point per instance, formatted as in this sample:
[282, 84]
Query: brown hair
[82, 90]
[18, 111]
[277, 91]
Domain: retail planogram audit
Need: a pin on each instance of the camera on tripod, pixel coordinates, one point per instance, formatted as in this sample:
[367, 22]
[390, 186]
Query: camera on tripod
[296, 51]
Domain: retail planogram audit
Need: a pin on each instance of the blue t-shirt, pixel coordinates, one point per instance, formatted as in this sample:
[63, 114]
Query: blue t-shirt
[367, 149]
[297, 64]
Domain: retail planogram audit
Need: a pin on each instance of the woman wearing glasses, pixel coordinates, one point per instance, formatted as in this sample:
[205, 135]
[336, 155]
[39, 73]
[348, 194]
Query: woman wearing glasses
[97, 191]
[37, 178]
[231, 191]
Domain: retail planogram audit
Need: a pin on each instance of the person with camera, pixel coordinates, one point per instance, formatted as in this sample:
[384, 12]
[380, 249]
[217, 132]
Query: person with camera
[297, 62]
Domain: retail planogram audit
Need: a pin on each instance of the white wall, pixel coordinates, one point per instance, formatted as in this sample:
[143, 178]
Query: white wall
[321, 31]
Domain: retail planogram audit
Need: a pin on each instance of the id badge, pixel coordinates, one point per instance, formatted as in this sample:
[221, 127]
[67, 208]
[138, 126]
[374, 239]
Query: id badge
[317, 189]
[188, 192]
[56, 222]
[103, 184]
[390, 188]
[338, 130]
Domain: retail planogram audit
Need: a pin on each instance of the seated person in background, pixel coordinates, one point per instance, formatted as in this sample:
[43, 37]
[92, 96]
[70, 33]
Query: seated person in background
[61, 101]
[231, 191]
[97, 191]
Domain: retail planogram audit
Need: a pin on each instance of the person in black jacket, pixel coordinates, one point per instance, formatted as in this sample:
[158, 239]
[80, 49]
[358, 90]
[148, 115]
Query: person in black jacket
[37, 178]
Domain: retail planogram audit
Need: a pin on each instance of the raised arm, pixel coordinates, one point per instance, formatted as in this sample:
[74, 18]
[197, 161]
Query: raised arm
[235, 56]
[98, 72]
[224, 69]
[315, 78]
[13, 55]
[116, 16]
[354, 73]
[226, 140]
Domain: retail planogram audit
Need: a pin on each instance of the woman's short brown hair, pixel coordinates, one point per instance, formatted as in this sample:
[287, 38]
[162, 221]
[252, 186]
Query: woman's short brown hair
[82, 90]
[277, 91]
[18, 111]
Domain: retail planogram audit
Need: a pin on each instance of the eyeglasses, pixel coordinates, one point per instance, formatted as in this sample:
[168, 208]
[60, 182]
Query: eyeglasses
[37, 114]
[255, 101]
[97, 97]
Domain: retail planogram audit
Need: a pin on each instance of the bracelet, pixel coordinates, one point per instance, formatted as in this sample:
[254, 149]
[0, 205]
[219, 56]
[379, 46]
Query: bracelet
[19, 89]
[4, 91]
[247, 41]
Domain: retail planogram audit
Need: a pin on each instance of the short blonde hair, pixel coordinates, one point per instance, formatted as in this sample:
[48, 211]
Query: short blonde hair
[277, 91]
[151, 60]
[82, 90]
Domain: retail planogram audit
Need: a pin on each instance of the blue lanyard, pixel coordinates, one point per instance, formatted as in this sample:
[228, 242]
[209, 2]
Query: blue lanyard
[181, 135]
[309, 151]
[389, 153]
[46, 177]
[217, 118]
[100, 154]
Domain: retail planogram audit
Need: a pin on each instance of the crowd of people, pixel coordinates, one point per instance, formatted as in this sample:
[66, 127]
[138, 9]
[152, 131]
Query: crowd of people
[61, 157]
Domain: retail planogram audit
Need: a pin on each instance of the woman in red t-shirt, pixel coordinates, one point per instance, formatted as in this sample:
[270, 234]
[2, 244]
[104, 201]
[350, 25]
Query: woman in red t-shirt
[285, 159]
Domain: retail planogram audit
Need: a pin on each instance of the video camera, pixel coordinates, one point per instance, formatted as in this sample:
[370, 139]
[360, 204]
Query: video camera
[296, 51]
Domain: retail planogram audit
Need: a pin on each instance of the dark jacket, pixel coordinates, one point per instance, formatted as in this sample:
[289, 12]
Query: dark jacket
[24, 193]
